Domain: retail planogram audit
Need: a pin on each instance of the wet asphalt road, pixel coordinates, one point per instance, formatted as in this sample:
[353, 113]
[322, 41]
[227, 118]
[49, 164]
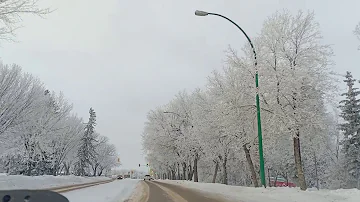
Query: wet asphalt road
[163, 192]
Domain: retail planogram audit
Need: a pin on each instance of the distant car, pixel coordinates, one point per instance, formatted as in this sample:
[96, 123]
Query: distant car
[148, 177]
[119, 177]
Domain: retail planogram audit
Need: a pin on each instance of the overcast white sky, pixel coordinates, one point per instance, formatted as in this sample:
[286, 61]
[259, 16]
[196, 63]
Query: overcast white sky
[124, 58]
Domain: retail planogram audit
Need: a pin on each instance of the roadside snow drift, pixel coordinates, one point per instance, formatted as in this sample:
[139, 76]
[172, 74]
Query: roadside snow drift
[272, 194]
[10, 182]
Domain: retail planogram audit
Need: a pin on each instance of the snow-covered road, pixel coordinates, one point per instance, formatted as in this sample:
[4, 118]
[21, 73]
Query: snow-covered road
[116, 191]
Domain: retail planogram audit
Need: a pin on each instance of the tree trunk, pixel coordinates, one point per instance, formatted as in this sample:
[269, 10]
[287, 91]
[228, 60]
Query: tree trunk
[173, 175]
[215, 172]
[101, 169]
[54, 172]
[67, 169]
[251, 166]
[29, 168]
[225, 178]
[94, 171]
[196, 177]
[298, 164]
[178, 171]
[269, 179]
[190, 173]
[316, 171]
[184, 171]
[61, 170]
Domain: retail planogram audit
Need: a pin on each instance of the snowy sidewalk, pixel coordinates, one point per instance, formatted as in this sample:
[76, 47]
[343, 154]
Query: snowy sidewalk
[10, 182]
[279, 194]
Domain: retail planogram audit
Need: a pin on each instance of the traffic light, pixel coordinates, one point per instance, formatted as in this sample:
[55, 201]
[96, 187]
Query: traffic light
[139, 164]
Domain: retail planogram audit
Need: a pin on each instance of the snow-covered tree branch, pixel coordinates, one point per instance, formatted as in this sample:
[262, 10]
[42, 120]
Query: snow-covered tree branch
[11, 12]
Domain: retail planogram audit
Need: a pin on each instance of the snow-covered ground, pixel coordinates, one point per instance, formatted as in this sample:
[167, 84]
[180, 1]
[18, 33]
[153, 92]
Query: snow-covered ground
[280, 194]
[42, 182]
[116, 191]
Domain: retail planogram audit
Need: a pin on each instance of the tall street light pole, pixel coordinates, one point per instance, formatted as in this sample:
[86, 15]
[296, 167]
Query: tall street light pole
[261, 155]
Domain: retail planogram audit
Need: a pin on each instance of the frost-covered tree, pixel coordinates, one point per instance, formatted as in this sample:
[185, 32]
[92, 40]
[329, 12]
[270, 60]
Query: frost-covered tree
[19, 94]
[295, 81]
[41, 147]
[39, 134]
[86, 152]
[180, 112]
[107, 158]
[171, 129]
[296, 72]
[159, 138]
[224, 120]
[350, 112]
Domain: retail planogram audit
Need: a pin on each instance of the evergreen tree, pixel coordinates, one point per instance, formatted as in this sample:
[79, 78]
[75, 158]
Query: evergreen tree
[86, 152]
[350, 112]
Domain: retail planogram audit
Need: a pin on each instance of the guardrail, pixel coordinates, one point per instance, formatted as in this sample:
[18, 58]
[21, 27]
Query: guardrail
[73, 187]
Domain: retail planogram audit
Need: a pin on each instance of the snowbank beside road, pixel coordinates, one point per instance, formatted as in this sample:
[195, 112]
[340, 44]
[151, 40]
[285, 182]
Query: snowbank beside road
[8, 182]
[279, 194]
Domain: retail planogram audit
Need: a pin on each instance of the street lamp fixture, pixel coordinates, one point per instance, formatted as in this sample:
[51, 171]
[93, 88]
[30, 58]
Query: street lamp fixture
[261, 154]
[201, 13]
